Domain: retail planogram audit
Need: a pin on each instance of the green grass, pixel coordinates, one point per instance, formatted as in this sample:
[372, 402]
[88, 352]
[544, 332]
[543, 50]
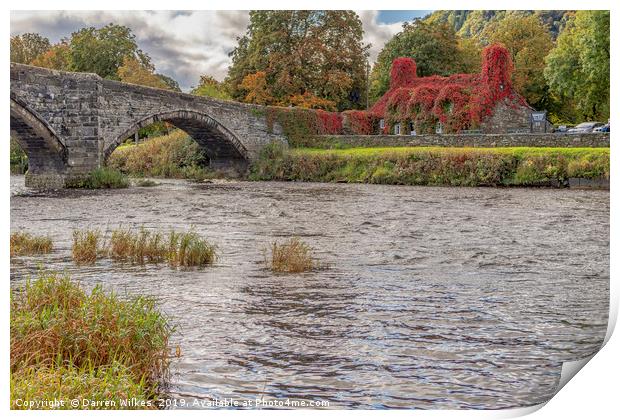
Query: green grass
[23, 243]
[67, 343]
[187, 249]
[456, 166]
[101, 178]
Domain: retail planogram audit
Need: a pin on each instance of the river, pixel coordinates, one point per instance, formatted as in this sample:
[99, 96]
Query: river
[431, 298]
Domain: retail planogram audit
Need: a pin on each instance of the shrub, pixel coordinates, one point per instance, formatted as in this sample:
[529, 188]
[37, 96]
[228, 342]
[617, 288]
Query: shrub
[19, 160]
[87, 246]
[26, 244]
[65, 342]
[292, 256]
[101, 178]
[176, 155]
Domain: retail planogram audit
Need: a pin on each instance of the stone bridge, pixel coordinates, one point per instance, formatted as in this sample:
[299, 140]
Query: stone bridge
[69, 123]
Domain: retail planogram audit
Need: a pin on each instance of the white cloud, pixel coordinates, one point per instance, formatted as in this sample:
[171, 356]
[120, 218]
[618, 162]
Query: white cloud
[182, 44]
[377, 33]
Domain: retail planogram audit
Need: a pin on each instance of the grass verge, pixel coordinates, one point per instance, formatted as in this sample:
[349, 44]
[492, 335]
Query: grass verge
[23, 243]
[66, 343]
[513, 166]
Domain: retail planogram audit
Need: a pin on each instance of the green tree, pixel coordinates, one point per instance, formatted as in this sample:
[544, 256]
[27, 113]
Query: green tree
[314, 53]
[434, 47]
[578, 67]
[170, 82]
[26, 47]
[528, 41]
[103, 50]
[210, 87]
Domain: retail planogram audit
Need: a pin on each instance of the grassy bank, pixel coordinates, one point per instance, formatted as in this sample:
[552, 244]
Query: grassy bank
[515, 166]
[172, 156]
[66, 344]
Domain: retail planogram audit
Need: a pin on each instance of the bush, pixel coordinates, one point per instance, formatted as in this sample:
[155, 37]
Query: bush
[18, 160]
[26, 244]
[176, 155]
[292, 256]
[87, 246]
[101, 178]
[66, 343]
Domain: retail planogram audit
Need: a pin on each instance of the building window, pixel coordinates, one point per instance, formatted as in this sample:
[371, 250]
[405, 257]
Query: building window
[412, 129]
[397, 129]
[382, 123]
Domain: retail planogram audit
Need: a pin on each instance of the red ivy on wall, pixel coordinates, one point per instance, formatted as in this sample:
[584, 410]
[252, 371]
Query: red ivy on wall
[459, 101]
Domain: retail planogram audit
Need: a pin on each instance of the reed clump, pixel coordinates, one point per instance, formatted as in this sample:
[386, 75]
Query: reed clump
[67, 343]
[187, 249]
[292, 256]
[87, 246]
[23, 243]
[179, 249]
[137, 247]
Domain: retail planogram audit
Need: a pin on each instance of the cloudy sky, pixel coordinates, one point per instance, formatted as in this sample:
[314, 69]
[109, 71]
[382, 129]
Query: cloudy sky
[186, 44]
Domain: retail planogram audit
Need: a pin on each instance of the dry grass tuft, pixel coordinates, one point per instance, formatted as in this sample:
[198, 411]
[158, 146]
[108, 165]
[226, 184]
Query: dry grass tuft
[292, 256]
[26, 244]
[137, 247]
[179, 249]
[87, 246]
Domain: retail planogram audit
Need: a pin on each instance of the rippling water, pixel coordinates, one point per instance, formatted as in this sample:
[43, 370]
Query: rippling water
[433, 298]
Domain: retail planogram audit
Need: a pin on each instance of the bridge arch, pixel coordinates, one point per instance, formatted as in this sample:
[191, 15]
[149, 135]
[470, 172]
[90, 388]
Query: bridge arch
[45, 150]
[219, 143]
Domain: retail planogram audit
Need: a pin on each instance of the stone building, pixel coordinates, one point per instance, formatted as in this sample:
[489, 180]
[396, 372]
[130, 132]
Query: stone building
[483, 102]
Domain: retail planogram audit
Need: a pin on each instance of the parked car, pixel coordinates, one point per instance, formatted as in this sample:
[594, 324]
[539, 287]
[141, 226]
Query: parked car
[602, 129]
[586, 127]
[561, 129]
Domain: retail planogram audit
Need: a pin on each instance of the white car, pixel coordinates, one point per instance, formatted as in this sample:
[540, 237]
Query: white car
[586, 127]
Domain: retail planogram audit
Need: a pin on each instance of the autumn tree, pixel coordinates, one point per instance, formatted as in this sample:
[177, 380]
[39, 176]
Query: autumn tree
[132, 71]
[58, 57]
[435, 48]
[104, 50]
[578, 67]
[255, 86]
[288, 53]
[528, 40]
[210, 87]
[26, 47]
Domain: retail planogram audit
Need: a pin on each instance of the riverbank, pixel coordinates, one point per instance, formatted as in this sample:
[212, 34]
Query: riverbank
[453, 166]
